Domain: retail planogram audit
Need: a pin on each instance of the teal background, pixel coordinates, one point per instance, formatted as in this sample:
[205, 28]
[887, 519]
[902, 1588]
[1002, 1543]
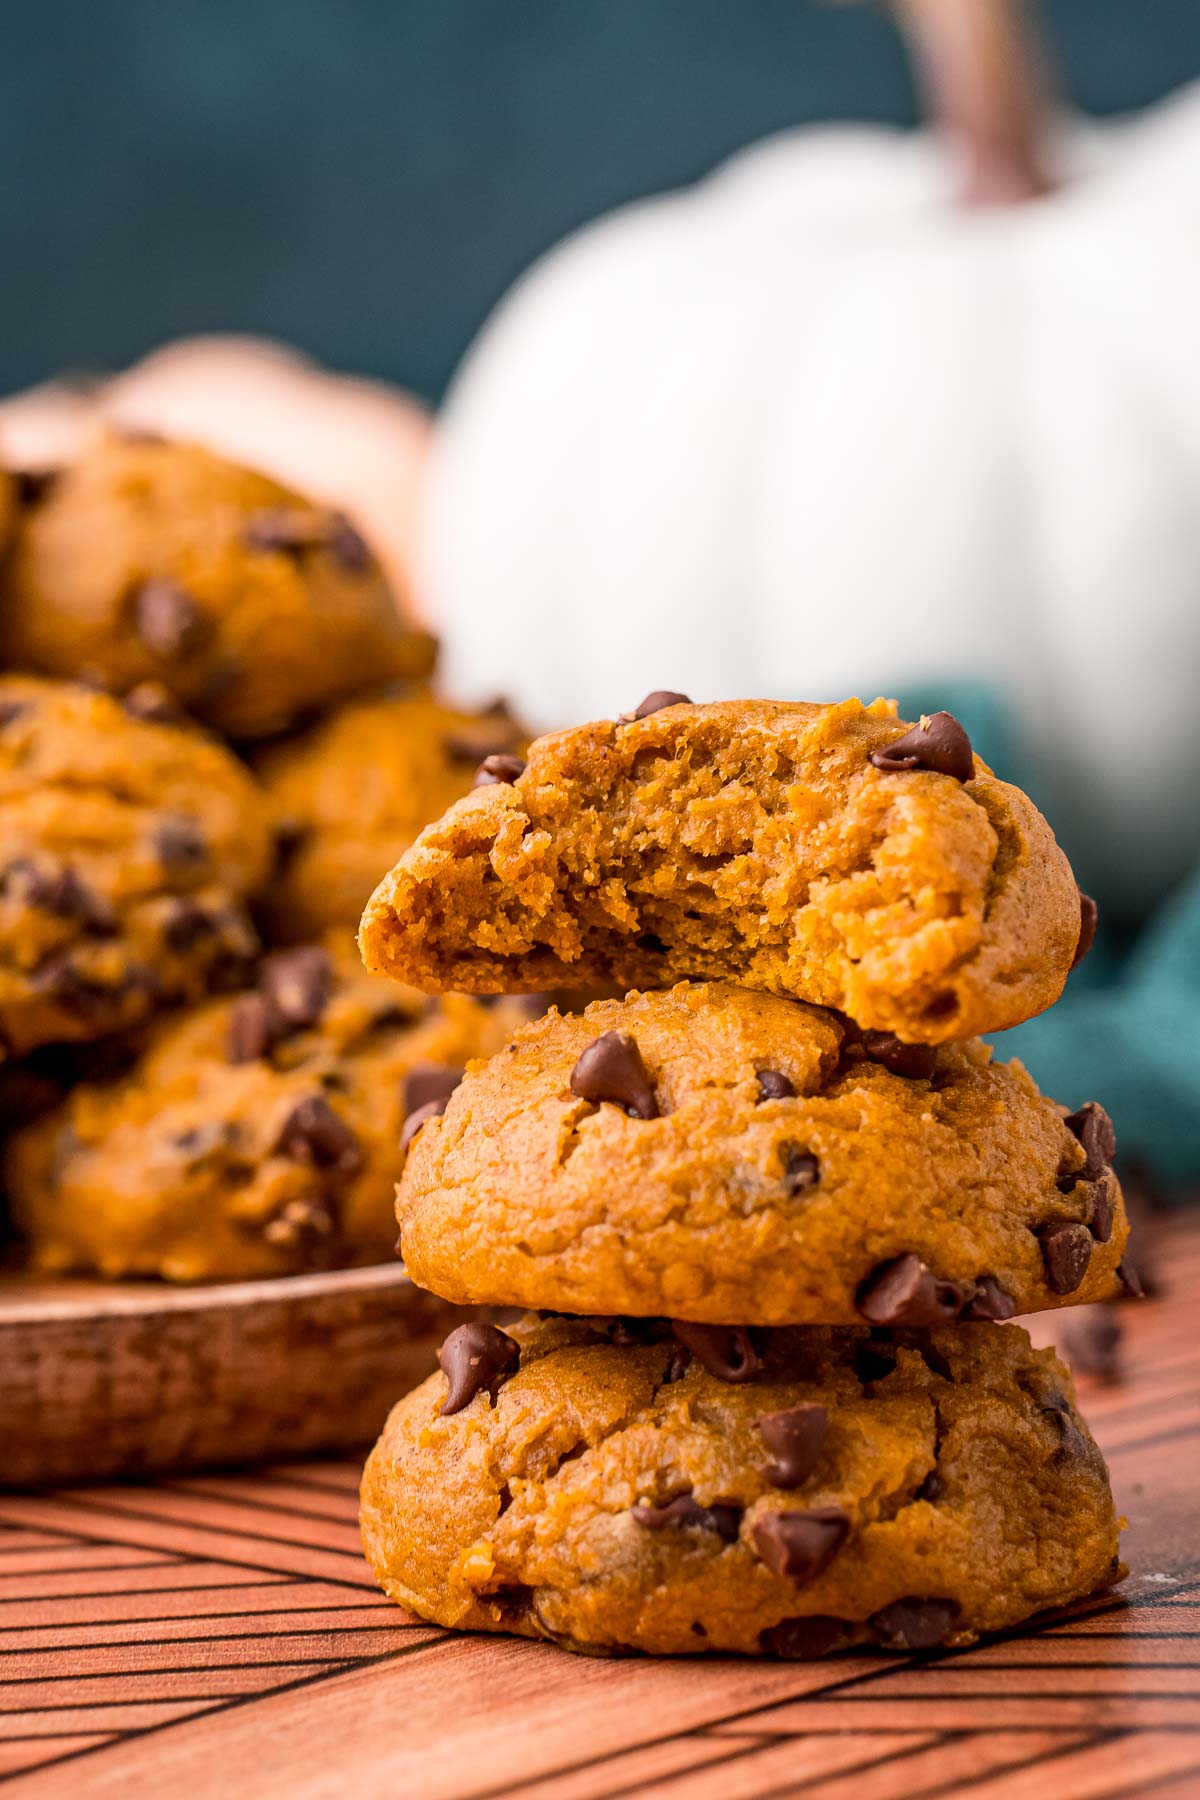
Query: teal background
[364, 177]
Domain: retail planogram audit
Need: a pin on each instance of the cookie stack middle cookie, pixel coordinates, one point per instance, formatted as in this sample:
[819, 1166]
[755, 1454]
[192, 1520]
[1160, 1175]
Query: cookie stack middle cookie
[770, 1403]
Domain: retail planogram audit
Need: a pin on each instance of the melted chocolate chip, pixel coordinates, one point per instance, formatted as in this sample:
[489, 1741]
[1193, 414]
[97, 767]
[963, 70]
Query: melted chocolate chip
[914, 1061]
[938, 744]
[180, 844]
[1092, 1341]
[799, 1544]
[1066, 1252]
[1088, 918]
[804, 1640]
[611, 1069]
[905, 1292]
[432, 1109]
[60, 892]
[773, 1085]
[1094, 1130]
[726, 1351]
[722, 1518]
[655, 702]
[185, 925]
[167, 619]
[914, 1624]
[794, 1437]
[476, 1359]
[251, 1029]
[312, 1132]
[496, 771]
[429, 1081]
[801, 1170]
[296, 985]
[989, 1301]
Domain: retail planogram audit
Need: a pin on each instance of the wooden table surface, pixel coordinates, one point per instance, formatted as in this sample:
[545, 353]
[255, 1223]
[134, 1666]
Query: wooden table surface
[221, 1635]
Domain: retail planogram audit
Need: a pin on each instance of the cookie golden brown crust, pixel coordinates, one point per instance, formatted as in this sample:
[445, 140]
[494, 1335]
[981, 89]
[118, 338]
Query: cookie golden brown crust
[733, 1199]
[148, 560]
[618, 1496]
[750, 841]
[255, 1136]
[352, 793]
[128, 848]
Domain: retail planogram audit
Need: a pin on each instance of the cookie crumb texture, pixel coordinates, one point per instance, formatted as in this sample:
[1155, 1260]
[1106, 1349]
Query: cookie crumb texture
[128, 850]
[255, 1136]
[617, 1498]
[749, 841]
[353, 792]
[147, 560]
[732, 1198]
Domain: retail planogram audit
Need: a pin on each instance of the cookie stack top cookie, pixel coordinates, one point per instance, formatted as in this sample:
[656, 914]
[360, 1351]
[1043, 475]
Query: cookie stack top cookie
[824, 1142]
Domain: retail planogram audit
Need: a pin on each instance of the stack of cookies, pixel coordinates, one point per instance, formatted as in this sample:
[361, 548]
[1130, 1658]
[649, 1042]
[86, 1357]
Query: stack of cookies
[769, 1215]
[215, 731]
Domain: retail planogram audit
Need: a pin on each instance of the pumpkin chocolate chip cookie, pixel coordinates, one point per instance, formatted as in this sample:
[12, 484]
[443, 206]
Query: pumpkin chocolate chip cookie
[255, 1136]
[146, 560]
[830, 853]
[128, 849]
[609, 1487]
[717, 1154]
[352, 793]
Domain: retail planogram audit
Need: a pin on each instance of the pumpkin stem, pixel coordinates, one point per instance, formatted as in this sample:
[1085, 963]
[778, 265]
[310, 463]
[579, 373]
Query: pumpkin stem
[979, 64]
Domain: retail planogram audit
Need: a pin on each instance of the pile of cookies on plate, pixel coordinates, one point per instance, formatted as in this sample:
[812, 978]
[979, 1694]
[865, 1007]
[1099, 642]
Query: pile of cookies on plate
[769, 1214]
[216, 730]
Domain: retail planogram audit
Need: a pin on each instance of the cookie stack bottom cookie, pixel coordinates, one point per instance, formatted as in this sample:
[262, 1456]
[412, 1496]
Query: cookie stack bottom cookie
[634, 1485]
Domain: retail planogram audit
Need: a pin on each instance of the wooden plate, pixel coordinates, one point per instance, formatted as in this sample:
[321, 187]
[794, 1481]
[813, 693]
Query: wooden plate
[127, 1378]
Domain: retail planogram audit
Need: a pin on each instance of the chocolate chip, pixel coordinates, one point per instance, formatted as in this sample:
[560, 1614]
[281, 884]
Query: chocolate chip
[801, 1170]
[932, 1488]
[1104, 1207]
[429, 1081]
[684, 1511]
[346, 546]
[251, 1029]
[794, 1438]
[1130, 1280]
[905, 1292]
[180, 844]
[288, 531]
[432, 1109]
[627, 1332]
[1066, 1252]
[803, 1640]
[1092, 1341]
[33, 485]
[10, 710]
[726, 1351]
[914, 1061]
[496, 771]
[913, 1624]
[303, 1226]
[989, 1301]
[167, 619]
[1088, 917]
[799, 1544]
[655, 702]
[151, 702]
[313, 1132]
[185, 925]
[1094, 1130]
[611, 1070]
[471, 744]
[677, 1365]
[203, 1142]
[296, 984]
[61, 979]
[475, 1359]
[60, 892]
[773, 1085]
[938, 743]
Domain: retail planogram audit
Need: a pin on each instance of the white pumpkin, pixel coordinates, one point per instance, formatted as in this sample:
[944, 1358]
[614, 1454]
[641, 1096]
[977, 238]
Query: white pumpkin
[812, 428]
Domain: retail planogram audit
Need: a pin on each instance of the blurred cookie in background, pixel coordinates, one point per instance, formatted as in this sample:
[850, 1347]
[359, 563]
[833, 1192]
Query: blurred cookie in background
[129, 848]
[352, 793]
[257, 1135]
[148, 560]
